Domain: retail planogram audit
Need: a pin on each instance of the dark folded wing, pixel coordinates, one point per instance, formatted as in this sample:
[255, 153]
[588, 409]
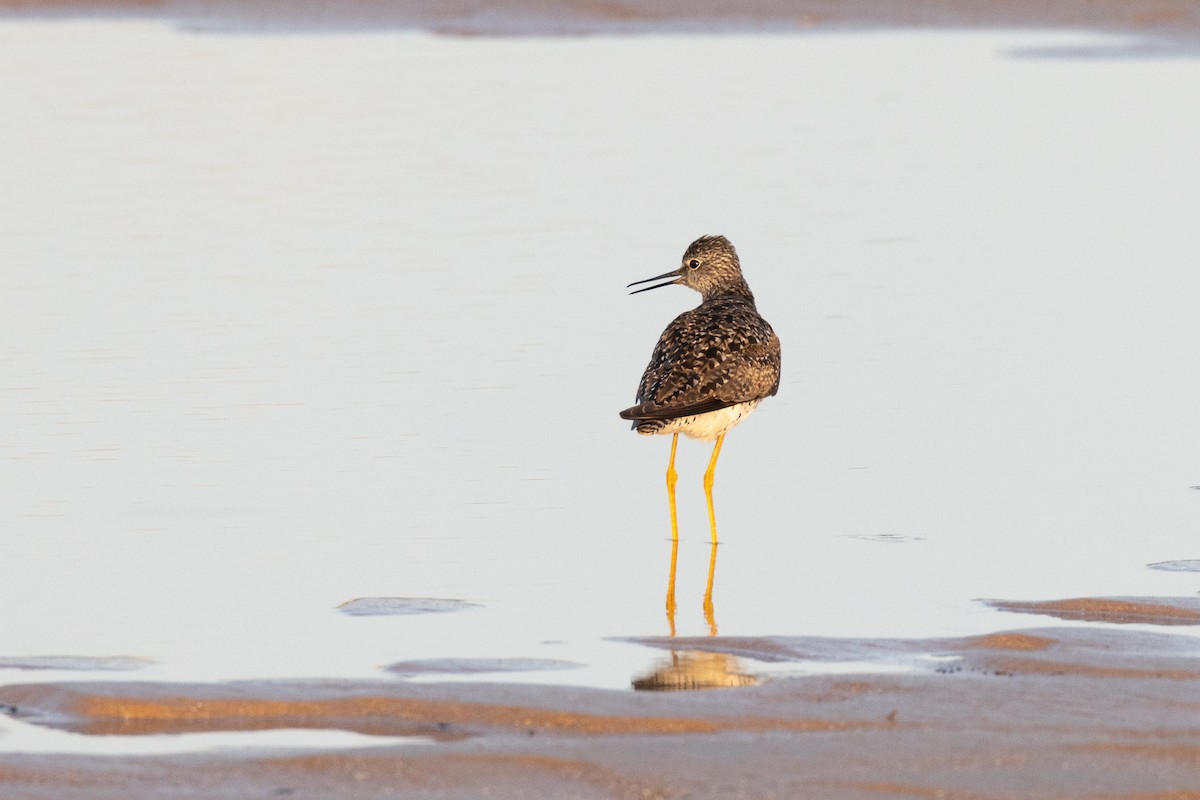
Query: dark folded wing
[646, 411]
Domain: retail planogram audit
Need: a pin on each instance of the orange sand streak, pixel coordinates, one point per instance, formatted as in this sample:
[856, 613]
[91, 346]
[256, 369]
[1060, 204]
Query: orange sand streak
[103, 714]
[1010, 641]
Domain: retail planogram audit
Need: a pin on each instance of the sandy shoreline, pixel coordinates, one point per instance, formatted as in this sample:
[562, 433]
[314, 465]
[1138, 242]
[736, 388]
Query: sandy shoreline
[1039, 713]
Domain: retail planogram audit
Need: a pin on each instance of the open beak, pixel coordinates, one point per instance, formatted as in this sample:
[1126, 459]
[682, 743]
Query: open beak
[673, 275]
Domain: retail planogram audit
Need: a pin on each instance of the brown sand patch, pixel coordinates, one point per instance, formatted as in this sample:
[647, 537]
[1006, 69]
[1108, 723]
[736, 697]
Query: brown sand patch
[1009, 641]
[1164, 16]
[836, 691]
[336, 776]
[1188, 753]
[610, 10]
[461, 770]
[80, 4]
[1156, 611]
[909, 790]
[10, 775]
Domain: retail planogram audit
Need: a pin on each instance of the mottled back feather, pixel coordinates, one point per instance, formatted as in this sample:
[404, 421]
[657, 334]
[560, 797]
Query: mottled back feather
[719, 354]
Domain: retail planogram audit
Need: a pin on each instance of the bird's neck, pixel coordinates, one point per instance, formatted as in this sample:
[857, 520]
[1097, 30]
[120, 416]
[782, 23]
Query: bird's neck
[738, 288]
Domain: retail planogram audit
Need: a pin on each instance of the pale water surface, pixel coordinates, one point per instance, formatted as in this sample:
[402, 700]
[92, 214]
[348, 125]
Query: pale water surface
[290, 320]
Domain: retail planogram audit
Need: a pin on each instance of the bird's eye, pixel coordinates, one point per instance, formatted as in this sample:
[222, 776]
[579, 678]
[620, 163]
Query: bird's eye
[694, 263]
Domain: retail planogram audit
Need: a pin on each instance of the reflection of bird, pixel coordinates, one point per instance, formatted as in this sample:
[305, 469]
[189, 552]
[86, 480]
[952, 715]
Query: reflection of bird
[712, 366]
[695, 669]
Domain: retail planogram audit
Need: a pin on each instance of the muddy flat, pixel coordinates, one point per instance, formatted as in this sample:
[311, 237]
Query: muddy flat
[1038, 713]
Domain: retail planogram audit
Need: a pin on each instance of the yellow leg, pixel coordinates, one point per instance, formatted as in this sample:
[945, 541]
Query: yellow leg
[673, 476]
[671, 587]
[710, 615]
[708, 484]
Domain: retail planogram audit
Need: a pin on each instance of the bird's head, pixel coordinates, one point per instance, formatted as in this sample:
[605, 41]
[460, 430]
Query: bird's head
[710, 266]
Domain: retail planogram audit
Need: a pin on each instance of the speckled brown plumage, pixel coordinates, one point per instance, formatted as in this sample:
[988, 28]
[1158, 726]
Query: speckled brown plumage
[720, 355]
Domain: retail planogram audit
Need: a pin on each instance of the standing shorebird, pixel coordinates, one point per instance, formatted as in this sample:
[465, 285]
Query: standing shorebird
[712, 366]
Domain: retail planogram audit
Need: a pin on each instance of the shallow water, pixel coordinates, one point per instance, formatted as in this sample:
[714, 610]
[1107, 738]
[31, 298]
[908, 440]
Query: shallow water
[292, 320]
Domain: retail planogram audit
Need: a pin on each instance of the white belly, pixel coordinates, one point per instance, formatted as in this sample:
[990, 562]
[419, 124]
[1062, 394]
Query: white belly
[712, 424]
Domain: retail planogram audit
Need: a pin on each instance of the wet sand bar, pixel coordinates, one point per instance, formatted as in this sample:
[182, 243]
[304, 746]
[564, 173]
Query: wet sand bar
[1040, 713]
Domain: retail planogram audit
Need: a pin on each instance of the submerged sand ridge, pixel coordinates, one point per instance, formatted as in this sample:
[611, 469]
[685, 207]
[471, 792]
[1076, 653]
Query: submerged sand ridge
[1039, 713]
[1097, 652]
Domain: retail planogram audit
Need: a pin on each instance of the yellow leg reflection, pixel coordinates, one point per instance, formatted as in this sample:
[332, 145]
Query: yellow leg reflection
[671, 587]
[709, 614]
[693, 669]
[672, 476]
[708, 484]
